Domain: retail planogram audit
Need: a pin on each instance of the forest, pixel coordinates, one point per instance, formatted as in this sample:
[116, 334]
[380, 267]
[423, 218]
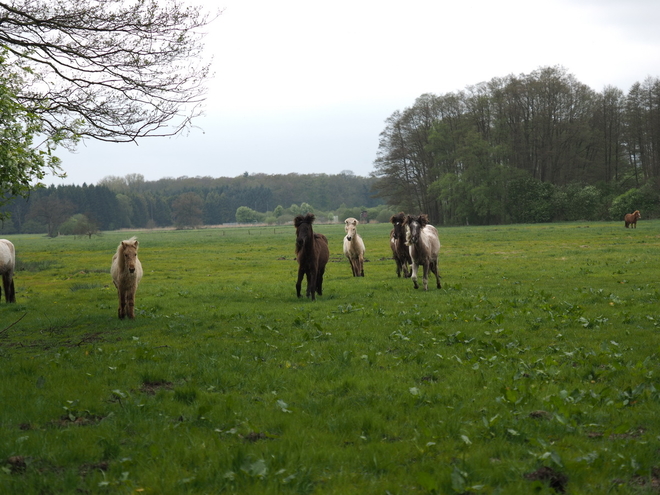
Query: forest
[188, 202]
[537, 147]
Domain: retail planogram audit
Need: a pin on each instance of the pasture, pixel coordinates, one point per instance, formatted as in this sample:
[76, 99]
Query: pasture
[533, 369]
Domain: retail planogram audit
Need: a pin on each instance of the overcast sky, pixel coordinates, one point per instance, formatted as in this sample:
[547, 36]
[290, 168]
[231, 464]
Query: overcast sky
[305, 87]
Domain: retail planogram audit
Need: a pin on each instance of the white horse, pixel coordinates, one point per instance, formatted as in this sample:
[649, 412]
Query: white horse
[424, 244]
[354, 247]
[7, 267]
[126, 271]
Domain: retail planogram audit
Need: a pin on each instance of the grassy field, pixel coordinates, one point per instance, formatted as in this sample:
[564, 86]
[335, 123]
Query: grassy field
[533, 370]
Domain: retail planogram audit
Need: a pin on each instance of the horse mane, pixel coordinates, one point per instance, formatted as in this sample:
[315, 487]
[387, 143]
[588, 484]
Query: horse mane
[399, 217]
[122, 245]
[299, 220]
[422, 220]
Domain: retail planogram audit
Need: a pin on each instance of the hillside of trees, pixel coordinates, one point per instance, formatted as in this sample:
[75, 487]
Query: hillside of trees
[531, 148]
[131, 202]
[539, 147]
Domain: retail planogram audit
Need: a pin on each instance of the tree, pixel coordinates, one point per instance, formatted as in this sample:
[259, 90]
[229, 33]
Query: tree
[21, 163]
[187, 210]
[86, 228]
[112, 70]
[245, 214]
[51, 211]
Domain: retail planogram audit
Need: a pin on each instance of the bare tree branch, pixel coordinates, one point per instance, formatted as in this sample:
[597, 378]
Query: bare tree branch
[113, 70]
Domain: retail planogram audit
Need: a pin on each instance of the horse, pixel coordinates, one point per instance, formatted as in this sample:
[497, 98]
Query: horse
[631, 218]
[126, 271]
[312, 253]
[400, 251]
[354, 247]
[424, 244]
[7, 267]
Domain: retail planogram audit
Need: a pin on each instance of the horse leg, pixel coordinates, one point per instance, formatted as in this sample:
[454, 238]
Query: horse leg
[319, 282]
[120, 311]
[12, 291]
[301, 275]
[434, 269]
[354, 267]
[361, 267]
[413, 274]
[130, 303]
[407, 269]
[311, 284]
[425, 277]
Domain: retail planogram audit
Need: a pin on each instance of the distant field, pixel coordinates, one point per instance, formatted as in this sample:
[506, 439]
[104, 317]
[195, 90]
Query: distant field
[535, 369]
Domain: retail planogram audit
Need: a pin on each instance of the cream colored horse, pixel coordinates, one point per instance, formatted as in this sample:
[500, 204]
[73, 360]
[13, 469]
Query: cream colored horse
[354, 247]
[7, 267]
[126, 271]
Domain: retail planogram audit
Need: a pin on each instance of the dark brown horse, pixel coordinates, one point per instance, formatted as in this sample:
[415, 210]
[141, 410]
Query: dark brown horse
[400, 251]
[631, 219]
[312, 253]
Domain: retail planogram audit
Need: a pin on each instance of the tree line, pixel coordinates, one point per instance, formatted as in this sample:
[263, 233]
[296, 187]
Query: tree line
[131, 202]
[530, 148]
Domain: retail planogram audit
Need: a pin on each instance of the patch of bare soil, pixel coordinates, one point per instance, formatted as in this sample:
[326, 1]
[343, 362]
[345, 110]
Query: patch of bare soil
[555, 479]
[16, 464]
[150, 388]
[255, 436]
[85, 469]
[69, 420]
[651, 482]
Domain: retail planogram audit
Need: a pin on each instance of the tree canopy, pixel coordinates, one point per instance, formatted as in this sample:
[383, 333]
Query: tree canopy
[112, 70]
[533, 147]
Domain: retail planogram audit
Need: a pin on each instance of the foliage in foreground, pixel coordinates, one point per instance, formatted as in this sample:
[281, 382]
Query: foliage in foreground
[534, 369]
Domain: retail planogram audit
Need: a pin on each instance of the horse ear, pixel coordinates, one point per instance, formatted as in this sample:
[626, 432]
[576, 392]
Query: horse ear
[409, 219]
[423, 220]
[310, 217]
[136, 243]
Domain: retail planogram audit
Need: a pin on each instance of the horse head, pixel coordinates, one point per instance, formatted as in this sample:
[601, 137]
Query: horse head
[351, 228]
[129, 252]
[304, 231]
[414, 226]
[398, 232]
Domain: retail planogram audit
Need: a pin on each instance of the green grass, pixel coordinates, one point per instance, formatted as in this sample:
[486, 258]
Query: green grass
[536, 365]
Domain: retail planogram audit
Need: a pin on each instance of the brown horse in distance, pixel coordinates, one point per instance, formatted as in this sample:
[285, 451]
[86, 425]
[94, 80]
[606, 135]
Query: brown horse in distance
[631, 219]
[312, 253]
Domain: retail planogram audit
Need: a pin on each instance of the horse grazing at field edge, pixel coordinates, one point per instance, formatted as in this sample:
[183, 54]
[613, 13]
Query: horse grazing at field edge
[400, 252]
[312, 253]
[354, 247]
[422, 239]
[7, 267]
[126, 271]
[631, 218]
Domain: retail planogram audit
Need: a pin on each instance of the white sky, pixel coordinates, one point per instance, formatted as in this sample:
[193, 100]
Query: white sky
[303, 86]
